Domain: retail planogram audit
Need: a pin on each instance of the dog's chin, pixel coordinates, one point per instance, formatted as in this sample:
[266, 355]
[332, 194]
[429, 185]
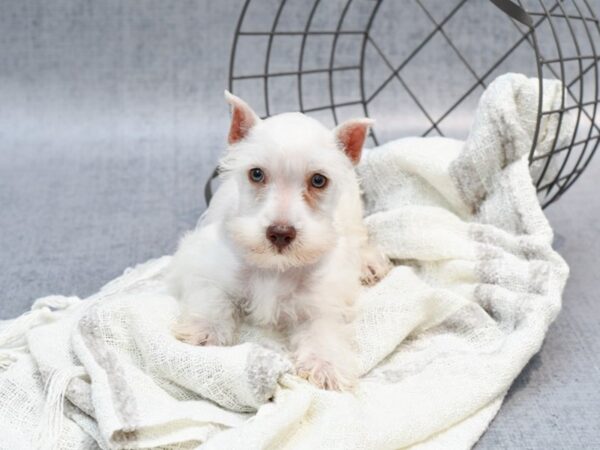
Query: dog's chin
[267, 256]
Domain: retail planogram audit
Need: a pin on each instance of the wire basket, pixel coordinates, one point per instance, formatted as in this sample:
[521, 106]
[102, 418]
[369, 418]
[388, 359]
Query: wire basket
[419, 67]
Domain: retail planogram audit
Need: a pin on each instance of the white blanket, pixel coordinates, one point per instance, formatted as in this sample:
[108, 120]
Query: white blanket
[475, 287]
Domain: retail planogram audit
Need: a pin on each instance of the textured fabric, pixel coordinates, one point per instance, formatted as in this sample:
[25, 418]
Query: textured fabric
[440, 339]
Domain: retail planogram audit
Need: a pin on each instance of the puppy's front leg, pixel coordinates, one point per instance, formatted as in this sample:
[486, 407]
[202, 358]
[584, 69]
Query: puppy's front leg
[375, 265]
[324, 354]
[207, 317]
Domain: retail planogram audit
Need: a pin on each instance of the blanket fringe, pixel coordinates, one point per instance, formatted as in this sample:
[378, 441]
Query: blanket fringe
[13, 336]
[53, 415]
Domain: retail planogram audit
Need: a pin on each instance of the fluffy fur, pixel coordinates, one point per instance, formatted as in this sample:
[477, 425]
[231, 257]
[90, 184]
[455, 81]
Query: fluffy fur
[228, 269]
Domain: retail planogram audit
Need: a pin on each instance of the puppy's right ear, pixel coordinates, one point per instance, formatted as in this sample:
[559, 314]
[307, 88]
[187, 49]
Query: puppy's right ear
[243, 118]
[351, 136]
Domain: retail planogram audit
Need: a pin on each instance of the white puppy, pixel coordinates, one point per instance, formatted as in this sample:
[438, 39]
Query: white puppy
[283, 243]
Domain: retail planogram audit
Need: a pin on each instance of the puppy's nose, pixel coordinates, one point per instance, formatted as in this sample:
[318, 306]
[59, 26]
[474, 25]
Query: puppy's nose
[281, 235]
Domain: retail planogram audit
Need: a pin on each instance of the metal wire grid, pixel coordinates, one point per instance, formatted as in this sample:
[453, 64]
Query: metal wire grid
[564, 163]
[573, 157]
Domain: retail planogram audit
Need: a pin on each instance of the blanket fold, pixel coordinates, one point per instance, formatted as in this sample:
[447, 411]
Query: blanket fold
[475, 286]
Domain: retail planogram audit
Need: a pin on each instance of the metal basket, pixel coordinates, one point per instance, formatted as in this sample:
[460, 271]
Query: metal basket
[336, 59]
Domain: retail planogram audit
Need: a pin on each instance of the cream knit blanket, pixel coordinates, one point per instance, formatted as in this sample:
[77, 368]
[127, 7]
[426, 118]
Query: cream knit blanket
[441, 338]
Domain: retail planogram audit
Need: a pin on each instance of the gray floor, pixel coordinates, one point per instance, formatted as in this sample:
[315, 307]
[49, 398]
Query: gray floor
[111, 118]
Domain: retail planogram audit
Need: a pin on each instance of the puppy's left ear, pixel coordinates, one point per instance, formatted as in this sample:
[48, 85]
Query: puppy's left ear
[243, 118]
[351, 135]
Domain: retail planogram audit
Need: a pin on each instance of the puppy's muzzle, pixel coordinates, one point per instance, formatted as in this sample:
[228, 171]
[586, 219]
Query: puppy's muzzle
[281, 235]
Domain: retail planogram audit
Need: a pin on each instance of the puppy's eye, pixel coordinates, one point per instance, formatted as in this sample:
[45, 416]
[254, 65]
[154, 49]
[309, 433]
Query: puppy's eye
[318, 181]
[256, 175]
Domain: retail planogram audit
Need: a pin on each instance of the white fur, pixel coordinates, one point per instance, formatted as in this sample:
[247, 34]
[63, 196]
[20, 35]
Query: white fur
[227, 270]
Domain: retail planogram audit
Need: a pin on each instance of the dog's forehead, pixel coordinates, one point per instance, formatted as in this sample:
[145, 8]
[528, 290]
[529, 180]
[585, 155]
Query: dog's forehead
[295, 131]
[288, 147]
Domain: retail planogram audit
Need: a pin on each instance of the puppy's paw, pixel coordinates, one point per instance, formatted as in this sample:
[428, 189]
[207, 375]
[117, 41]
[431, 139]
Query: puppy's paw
[324, 374]
[197, 332]
[375, 266]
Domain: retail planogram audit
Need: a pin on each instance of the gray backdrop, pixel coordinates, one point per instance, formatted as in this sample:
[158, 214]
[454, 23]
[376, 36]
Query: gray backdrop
[111, 118]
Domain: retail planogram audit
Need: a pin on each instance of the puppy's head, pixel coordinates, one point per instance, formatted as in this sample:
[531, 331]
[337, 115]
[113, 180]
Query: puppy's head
[290, 173]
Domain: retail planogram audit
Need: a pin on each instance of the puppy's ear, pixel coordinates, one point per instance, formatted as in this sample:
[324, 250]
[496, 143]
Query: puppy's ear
[243, 118]
[351, 136]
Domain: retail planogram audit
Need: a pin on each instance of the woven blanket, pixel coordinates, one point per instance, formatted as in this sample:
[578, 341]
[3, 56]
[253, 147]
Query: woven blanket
[475, 286]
